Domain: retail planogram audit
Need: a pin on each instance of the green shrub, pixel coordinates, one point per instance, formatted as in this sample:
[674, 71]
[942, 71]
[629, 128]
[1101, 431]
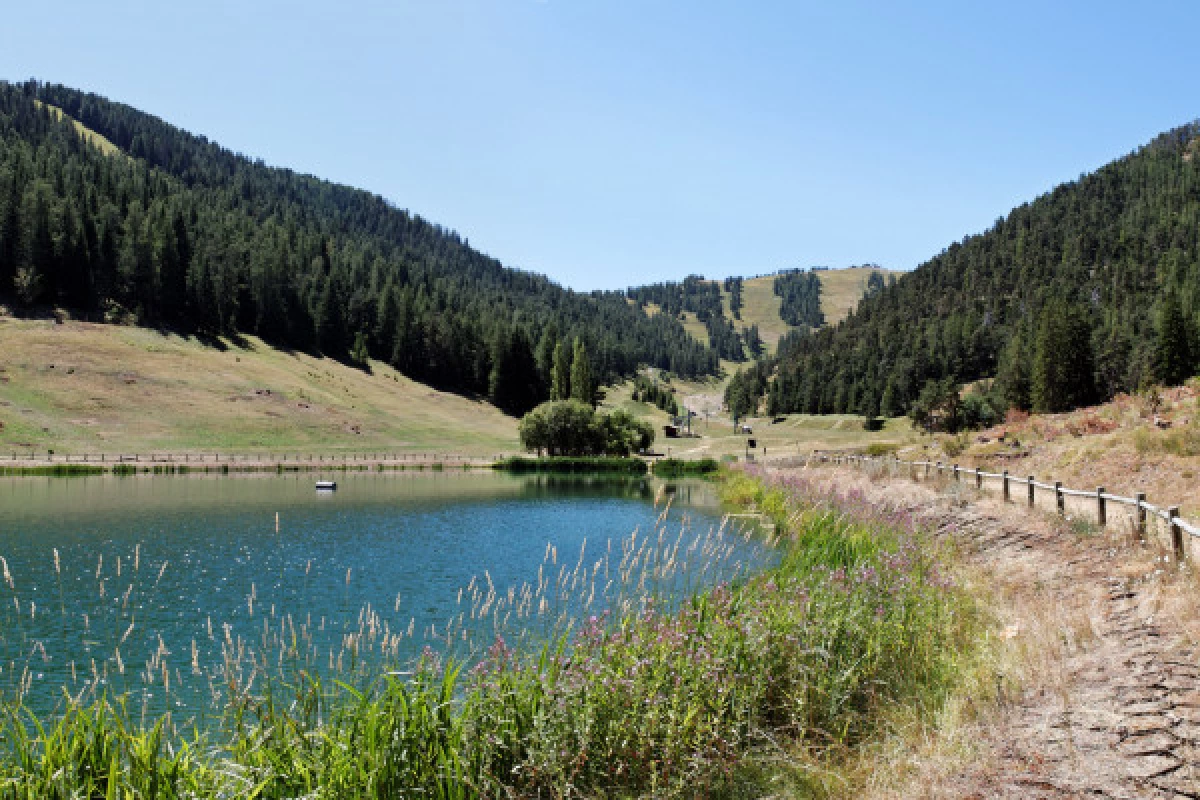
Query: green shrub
[955, 446]
[573, 428]
[629, 466]
[56, 470]
[674, 467]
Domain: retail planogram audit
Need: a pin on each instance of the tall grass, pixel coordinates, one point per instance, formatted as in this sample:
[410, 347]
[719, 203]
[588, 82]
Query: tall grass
[55, 470]
[580, 464]
[678, 467]
[662, 668]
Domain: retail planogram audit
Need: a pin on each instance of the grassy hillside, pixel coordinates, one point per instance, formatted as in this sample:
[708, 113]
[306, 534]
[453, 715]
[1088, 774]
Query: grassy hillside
[797, 434]
[80, 387]
[175, 231]
[841, 289]
[1147, 442]
[760, 307]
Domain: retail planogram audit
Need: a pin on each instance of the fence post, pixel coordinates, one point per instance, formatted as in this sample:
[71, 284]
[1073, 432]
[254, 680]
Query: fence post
[926, 469]
[978, 478]
[1176, 534]
[1101, 511]
[1141, 516]
[1060, 498]
[1007, 490]
[956, 473]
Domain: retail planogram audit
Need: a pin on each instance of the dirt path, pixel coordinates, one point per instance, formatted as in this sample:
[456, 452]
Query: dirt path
[1110, 704]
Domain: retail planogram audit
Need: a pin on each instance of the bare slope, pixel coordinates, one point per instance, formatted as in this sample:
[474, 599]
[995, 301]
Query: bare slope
[80, 387]
[841, 289]
[104, 145]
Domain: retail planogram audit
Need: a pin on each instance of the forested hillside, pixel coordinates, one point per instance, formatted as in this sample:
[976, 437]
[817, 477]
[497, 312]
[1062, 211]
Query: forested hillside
[176, 231]
[800, 298]
[702, 298]
[1090, 290]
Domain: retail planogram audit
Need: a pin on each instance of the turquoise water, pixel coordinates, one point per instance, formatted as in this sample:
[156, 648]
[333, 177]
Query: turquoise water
[174, 586]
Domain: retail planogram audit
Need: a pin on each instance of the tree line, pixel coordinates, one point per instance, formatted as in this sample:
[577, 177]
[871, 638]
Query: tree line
[1090, 290]
[703, 298]
[178, 232]
[800, 298]
[648, 390]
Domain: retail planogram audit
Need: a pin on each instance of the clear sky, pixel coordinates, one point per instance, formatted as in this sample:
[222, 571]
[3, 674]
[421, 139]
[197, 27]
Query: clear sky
[608, 143]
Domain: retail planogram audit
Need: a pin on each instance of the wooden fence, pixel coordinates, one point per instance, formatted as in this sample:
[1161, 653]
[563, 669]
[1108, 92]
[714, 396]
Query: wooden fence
[1099, 497]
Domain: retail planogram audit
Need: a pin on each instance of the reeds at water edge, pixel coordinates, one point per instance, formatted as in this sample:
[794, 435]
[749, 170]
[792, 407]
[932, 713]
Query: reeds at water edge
[655, 663]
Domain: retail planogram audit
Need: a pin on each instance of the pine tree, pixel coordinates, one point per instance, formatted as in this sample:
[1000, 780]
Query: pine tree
[1063, 375]
[174, 254]
[387, 316]
[1173, 351]
[358, 353]
[330, 333]
[888, 403]
[545, 355]
[513, 384]
[582, 388]
[36, 249]
[1013, 379]
[560, 378]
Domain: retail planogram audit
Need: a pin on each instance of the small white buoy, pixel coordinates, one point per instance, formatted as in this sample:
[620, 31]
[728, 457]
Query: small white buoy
[277, 522]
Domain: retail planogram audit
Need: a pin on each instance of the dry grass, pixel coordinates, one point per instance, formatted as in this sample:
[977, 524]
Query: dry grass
[841, 289]
[760, 307]
[694, 327]
[1049, 632]
[81, 387]
[1117, 445]
[797, 434]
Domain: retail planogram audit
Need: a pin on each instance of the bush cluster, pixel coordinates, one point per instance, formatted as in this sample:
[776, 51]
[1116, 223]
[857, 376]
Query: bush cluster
[581, 464]
[671, 467]
[572, 428]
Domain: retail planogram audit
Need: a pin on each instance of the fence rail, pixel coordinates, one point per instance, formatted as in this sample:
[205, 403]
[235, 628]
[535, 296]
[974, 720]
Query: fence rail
[211, 457]
[16, 462]
[1169, 515]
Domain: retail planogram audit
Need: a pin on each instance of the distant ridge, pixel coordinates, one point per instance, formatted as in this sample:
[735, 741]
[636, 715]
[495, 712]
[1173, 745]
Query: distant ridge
[760, 308]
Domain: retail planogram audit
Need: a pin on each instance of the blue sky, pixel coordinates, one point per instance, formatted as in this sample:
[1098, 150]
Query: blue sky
[608, 143]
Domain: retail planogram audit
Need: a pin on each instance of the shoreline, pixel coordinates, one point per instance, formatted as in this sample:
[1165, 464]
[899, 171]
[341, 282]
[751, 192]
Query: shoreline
[67, 469]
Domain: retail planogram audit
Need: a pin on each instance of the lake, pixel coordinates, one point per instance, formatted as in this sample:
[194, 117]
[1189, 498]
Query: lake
[177, 586]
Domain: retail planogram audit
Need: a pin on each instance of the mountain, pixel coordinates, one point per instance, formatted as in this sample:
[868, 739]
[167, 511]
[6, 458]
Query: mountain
[118, 216]
[743, 317]
[1102, 272]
